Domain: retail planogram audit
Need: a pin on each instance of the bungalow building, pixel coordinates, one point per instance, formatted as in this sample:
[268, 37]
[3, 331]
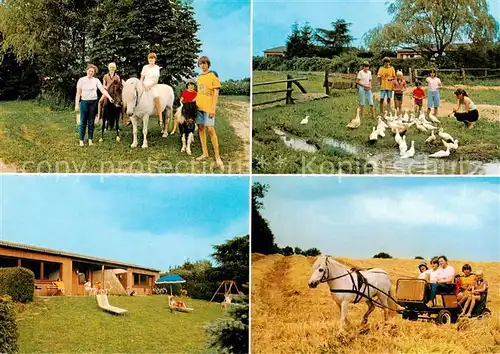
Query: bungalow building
[278, 51]
[74, 270]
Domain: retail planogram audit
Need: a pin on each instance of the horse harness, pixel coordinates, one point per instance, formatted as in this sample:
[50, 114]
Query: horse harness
[356, 287]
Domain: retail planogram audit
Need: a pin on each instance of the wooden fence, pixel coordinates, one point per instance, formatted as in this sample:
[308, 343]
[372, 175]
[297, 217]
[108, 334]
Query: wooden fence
[290, 81]
[461, 73]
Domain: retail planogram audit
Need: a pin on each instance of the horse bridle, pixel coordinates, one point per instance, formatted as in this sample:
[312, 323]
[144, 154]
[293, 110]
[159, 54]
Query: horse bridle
[356, 289]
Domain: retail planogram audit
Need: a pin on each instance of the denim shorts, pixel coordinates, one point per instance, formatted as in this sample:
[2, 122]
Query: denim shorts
[433, 100]
[203, 118]
[385, 93]
[365, 95]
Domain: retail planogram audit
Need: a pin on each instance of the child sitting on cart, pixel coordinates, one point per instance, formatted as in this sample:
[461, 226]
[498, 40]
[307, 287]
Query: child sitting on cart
[465, 283]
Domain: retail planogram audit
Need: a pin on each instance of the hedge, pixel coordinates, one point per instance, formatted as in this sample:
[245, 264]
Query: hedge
[17, 282]
[8, 326]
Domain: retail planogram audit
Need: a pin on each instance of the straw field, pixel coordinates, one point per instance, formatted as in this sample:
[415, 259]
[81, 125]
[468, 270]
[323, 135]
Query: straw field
[288, 317]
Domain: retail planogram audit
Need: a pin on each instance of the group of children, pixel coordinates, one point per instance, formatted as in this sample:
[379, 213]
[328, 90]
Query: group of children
[394, 82]
[470, 287]
[206, 99]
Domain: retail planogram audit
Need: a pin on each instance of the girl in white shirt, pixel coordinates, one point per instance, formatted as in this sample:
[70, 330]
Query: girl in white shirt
[149, 77]
[466, 111]
[434, 83]
[86, 90]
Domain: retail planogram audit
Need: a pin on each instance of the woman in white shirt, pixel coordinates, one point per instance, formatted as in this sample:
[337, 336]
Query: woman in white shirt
[149, 77]
[86, 90]
[424, 271]
[466, 111]
[364, 82]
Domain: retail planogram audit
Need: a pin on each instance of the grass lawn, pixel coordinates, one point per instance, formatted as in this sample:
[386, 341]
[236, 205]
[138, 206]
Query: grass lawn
[35, 139]
[77, 325]
[478, 96]
[328, 119]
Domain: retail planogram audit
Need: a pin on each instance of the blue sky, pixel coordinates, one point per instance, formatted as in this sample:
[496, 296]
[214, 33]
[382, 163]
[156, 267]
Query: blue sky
[358, 217]
[273, 19]
[225, 35]
[150, 221]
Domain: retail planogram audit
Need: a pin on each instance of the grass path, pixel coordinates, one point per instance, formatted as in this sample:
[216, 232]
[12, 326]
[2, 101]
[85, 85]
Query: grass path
[35, 139]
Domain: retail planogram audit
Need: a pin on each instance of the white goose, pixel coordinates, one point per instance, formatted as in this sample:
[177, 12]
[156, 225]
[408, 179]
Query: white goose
[402, 146]
[422, 128]
[441, 153]
[373, 136]
[356, 122]
[305, 120]
[444, 135]
[397, 137]
[431, 138]
[451, 146]
[433, 118]
[406, 117]
[429, 126]
[410, 152]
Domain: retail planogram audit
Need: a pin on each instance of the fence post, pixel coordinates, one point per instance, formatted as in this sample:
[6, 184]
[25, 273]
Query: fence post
[289, 99]
[326, 84]
[463, 74]
[409, 71]
[486, 73]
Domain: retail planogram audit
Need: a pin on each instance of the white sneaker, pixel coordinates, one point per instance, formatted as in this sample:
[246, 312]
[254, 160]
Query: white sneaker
[81, 143]
[90, 142]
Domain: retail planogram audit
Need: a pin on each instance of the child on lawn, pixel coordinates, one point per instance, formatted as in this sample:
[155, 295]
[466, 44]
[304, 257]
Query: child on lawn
[418, 97]
[433, 84]
[206, 100]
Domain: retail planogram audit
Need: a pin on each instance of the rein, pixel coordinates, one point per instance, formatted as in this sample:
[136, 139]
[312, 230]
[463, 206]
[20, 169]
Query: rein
[357, 289]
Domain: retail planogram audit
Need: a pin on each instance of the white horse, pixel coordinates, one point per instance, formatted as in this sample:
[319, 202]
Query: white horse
[347, 286]
[140, 105]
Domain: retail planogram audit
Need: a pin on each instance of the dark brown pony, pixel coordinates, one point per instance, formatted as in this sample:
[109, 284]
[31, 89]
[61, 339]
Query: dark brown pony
[111, 111]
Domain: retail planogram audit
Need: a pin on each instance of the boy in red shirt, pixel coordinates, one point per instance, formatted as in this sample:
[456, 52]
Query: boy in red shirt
[418, 97]
[189, 94]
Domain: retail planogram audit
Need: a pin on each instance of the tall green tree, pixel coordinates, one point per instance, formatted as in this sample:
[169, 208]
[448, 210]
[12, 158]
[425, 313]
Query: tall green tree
[333, 41]
[262, 236]
[431, 26]
[231, 334]
[232, 260]
[300, 42]
[126, 31]
[52, 32]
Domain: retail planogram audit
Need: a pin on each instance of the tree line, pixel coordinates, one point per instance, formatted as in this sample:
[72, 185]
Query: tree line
[262, 236]
[428, 27]
[46, 44]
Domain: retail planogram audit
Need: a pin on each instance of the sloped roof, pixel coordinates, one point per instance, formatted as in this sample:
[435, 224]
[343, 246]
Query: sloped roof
[74, 256]
[281, 49]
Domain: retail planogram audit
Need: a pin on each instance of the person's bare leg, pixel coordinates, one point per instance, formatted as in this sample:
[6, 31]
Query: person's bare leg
[381, 106]
[471, 306]
[203, 142]
[388, 104]
[428, 111]
[436, 111]
[215, 145]
[159, 112]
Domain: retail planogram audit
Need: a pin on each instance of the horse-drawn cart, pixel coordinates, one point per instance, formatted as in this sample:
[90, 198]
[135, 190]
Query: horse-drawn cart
[412, 295]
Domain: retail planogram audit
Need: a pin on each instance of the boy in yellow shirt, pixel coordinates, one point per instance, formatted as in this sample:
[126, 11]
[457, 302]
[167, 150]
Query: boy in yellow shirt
[386, 75]
[206, 101]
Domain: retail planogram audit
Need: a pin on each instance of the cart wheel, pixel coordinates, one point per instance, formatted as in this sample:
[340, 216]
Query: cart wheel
[444, 317]
[486, 314]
